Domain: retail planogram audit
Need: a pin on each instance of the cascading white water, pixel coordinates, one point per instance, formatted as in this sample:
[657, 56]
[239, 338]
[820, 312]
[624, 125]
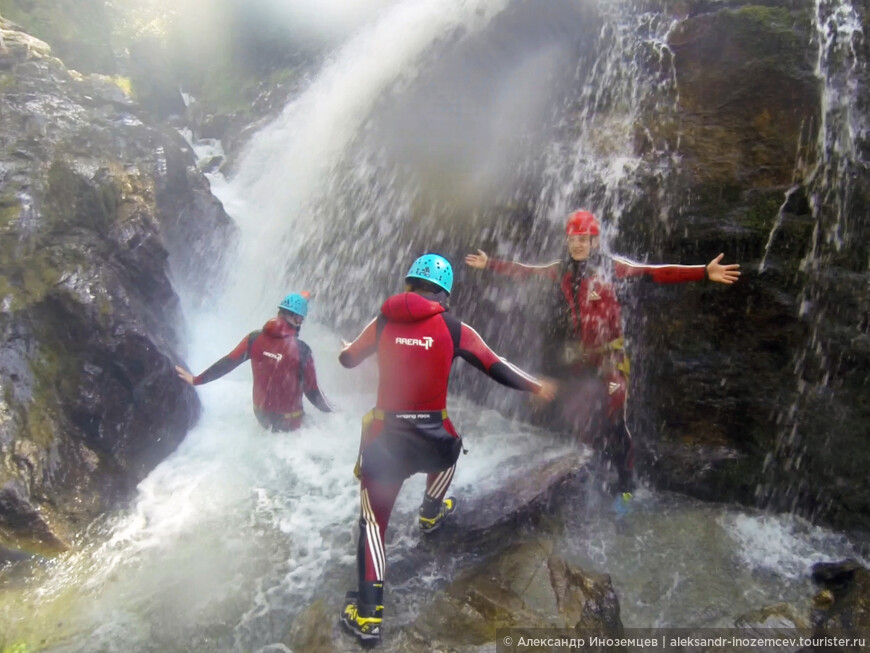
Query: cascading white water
[231, 537]
[632, 77]
[236, 531]
[830, 186]
[289, 164]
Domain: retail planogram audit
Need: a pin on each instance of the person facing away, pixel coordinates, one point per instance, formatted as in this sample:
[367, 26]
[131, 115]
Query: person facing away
[416, 339]
[282, 364]
[588, 351]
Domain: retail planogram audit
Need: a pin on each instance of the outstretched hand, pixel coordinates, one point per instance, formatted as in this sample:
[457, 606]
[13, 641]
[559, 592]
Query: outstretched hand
[548, 390]
[478, 260]
[719, 273]
[184, 375]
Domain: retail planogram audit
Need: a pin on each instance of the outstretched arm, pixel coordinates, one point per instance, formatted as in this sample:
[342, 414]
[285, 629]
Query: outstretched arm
[481, 261]
[714, 271]
[473, 349]
[365, 345]
[225, 365]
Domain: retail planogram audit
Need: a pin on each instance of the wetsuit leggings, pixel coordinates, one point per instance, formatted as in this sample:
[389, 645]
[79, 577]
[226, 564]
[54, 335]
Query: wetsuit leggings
[593, 408]
[278, 422]
[376, 505]
[618, 446]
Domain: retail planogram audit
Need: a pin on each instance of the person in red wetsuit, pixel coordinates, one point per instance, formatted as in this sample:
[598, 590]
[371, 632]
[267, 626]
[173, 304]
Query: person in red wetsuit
[589, 356]
[282, 364]
[415, 339]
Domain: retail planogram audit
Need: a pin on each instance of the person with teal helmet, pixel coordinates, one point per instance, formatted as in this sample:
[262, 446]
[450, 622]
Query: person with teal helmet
[295, 303]
[433, 268]
[282, 364]
[416, 339]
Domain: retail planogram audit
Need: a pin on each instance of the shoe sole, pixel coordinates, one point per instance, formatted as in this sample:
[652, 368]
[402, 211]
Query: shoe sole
[365, 640]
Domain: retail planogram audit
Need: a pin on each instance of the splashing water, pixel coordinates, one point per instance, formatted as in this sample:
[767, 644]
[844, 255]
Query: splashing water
[287, 165]
[234, 535]
[633, 76]
[831, 189]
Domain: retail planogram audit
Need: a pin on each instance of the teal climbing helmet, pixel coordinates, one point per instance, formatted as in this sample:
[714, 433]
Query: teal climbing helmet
[434, 269]
[296, 303]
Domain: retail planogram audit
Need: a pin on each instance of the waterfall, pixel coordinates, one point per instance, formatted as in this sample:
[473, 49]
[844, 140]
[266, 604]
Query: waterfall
[606, 169]
[438, 124]
[832, 267]
[239, 530]
[289, 167]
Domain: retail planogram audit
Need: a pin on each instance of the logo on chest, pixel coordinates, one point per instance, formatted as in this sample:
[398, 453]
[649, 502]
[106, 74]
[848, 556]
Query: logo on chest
[277, 357]
[425, 342]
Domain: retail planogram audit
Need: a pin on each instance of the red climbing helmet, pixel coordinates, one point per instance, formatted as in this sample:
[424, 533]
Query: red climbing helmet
[582, 223]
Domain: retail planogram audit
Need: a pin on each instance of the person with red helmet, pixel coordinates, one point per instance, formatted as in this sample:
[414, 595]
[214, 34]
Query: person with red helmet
[593, 363]
[416, 340]
[282, 364]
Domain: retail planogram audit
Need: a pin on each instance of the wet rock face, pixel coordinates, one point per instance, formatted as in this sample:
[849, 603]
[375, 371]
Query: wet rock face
[528, 586]
[843, 600]
[755, 392]
[747, 88]
[93, 206]
[79, 30]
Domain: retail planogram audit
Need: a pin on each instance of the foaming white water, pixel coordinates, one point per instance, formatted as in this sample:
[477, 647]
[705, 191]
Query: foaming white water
[286, 167]
[234, 532]
[239, 529]
[783, 544]
[710, 563]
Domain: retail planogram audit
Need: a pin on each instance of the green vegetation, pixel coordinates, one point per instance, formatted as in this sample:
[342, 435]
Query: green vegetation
[15, 648]
[762, 211]
[77, 30]
[7, 81]
[774, 33]
[10, 209]
[221, 51]
[124, 83]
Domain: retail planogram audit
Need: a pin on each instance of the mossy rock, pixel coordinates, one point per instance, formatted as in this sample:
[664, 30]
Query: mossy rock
[77, 30]
[748, 92]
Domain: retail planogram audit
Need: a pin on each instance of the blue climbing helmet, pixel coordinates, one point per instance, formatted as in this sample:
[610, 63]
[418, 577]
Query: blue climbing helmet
[434, 269]
[296, 303]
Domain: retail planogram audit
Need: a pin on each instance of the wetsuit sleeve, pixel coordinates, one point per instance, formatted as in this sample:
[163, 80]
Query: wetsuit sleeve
[228, 363]
[473, 349]
[623, 268]
[522, 271]
[309, 381]
[365, 345]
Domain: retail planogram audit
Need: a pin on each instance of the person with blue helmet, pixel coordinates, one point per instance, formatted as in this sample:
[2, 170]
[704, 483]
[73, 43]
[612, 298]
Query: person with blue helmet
[416, 340]
[282, 364]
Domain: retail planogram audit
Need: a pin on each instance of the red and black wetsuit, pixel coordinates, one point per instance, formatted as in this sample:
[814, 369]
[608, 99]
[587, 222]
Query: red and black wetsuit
[283, 370]
[416, 340]
[594, 360]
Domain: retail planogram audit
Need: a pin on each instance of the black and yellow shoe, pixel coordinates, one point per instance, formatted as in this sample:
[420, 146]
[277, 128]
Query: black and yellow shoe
[362, 621]
[622, 503]
[430, 519]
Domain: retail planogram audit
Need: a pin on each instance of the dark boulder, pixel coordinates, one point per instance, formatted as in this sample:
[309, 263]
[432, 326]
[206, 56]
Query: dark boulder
[99, 213]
